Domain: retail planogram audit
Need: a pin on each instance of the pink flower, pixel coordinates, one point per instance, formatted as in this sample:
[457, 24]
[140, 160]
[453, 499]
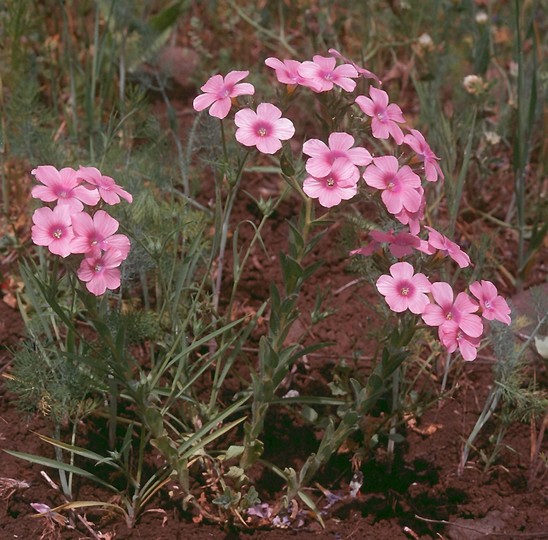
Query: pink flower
[399, 186]
[322, 74]
[263, 129]
[366, 250]
[366, 74]
[100, 271]
[62, 186]
[400, 244]
[417, 142]
[97, 233]
[492, 304]
[53, 228]
[385, 117]
[445, 310]
[440, 242]
[413, 219]
[219, 91]
[287, 72]
[339, 184]
[340, 147]
[403, 289]
[109, 191]
[452, 337]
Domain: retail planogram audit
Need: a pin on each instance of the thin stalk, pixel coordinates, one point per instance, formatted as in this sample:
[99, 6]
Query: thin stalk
[520, 158]
[92, 89]
[73, 443]
[74, 124]
[65, 484]
[226, 215]
[457, 194]
[394, 420]
[490, 406]
[172, 121]
[5, 189]
[446, 370]
[256, 236]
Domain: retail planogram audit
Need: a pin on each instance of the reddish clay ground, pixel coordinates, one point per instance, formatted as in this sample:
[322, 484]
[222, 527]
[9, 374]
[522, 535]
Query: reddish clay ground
[422, 496]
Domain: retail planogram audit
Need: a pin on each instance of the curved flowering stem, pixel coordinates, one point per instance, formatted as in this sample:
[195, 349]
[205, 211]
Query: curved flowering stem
[281, 38]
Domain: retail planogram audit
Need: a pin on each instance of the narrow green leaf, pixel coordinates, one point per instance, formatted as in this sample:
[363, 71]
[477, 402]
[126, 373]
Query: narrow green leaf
[46, 462]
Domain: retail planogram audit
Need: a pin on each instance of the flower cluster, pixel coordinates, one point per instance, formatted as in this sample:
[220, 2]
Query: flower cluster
[67, 228]
[333, 173]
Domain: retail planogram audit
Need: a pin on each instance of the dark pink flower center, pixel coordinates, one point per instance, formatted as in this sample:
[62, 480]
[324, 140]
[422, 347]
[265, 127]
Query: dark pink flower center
[57, 233]
[392, 183]
[487, 304]
[225, 92]
[263, 130]
[380, 113]
[330, 181]
[407, 288]
[98, 267]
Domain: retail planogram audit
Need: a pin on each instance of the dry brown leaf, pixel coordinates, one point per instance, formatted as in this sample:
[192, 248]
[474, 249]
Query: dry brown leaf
[428, 430]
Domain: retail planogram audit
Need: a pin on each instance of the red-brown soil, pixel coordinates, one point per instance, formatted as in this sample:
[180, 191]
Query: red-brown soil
[419, 495]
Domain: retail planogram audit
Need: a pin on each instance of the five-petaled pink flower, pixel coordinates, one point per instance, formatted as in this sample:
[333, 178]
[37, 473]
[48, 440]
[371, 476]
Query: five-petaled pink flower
[53, 228]
[403, 289]
[322, 74]
[322, 156]
[438, 241]
[452, 336]
[264, 128]
[108, 189]
[401, 244]
[445, 310]
[287, 72]
[399, 186]
[92, 234]
[62, 186]
[340, 183]
[492, 304]
[101, 271]
[418, 143]
[384, 117]
[219, 91]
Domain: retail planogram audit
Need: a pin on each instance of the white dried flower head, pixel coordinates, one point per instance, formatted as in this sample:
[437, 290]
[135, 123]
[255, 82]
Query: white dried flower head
[426, 42]
[513, 69]
[481, 17]
[492, 137]
[474, 84]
